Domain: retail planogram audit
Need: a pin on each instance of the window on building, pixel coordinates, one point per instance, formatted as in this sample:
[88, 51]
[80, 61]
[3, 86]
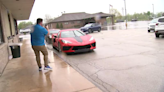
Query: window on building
[72, 22]
[78, 21]
[66, 23]
[15, 25]
[10, 25]
[1, 33]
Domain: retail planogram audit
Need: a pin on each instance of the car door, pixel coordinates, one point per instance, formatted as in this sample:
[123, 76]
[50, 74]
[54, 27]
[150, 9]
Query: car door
[57, 40]
[93, 27]
[97, 27]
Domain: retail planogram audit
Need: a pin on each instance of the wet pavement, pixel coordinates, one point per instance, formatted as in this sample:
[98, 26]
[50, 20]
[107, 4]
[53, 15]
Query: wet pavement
[22, 75]
[125, 61]
[131, 25]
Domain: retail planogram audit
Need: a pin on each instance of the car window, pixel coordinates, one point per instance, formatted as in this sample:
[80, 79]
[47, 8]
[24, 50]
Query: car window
[79, 33]
[161, 20]
[67, 34]
[96, 24]
[70, 34]
[88, 25]
[58, 34]
[54, 31]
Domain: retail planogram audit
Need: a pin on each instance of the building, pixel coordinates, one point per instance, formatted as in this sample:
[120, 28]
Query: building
[10, 12]
[76, 20]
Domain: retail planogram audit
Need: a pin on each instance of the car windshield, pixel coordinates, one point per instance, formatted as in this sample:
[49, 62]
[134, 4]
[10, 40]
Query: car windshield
[54, 31]
[70, 34]
[88, 25]
[154, 21]
[161, 20]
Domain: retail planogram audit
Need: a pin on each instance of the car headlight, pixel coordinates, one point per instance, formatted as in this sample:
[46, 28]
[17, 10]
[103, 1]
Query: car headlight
[91, 39]
[66, 42]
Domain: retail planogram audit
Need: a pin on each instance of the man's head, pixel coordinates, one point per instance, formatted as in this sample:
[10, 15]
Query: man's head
[39, 21]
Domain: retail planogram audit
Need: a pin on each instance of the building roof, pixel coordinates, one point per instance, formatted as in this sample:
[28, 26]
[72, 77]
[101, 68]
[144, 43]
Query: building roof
[78, 16]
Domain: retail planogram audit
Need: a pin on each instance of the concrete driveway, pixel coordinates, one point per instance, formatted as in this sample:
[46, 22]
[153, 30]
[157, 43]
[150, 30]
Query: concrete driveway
[124, 61]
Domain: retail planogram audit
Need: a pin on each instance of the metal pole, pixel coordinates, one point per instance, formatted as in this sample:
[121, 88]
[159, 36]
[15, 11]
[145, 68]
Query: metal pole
[153, 10]
[109, 9]
[125, 14]
[122, 11]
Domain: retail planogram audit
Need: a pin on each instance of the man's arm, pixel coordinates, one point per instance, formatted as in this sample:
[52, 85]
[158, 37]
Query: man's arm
[47, 29]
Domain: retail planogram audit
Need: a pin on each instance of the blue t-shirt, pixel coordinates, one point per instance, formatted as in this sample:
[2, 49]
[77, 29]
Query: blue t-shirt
[38, 35]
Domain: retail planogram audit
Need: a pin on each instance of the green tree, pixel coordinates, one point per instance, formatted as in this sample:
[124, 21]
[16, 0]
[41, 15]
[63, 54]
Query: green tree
[116, 13]
[61, 25]
[24, 24]
[48, 18]
[57, 26]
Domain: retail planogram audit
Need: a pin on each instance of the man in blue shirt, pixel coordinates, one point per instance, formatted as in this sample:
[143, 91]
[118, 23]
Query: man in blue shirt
[38, 45]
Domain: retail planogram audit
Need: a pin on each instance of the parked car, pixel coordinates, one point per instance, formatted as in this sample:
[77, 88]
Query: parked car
[73, 40]
[51, 32]
[152, 24]
[118, 21]
[159, 27]
[90, 28]
[133, 20]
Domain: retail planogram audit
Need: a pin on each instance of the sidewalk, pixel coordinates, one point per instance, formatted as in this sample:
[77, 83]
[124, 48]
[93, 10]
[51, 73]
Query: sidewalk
[22, 75]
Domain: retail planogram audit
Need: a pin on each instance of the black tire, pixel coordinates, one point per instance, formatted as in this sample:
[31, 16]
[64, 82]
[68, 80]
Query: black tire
[157, 35]
[99, 29]
[59, 47]
[148, 30]
[90, 31]
[53, 47]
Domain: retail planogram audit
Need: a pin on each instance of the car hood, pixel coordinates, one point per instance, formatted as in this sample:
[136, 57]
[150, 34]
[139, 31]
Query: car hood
[79, 40]
[84, 27]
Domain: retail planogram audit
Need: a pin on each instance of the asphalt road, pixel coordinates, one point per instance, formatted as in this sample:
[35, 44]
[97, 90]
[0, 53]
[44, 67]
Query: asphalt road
[124, 61]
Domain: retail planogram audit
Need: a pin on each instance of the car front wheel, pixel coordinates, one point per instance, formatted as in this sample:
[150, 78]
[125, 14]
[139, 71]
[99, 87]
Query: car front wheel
[99, 29]
[148, 30]
[59, 47]
[90, 31]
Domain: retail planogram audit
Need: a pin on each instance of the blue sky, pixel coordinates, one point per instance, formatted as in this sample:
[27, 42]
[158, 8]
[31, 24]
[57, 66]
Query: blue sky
[55, 7]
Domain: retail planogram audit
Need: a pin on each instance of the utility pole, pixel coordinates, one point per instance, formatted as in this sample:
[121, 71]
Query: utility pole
[125, 15]
[122, 11]
[153, 11]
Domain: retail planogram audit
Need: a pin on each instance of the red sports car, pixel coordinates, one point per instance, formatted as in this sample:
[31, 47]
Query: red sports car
[73, 40]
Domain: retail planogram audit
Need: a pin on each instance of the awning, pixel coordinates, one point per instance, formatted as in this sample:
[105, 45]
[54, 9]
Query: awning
[20, 9]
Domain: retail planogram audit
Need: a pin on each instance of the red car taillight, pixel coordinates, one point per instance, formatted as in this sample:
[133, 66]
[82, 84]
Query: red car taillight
[157, 24]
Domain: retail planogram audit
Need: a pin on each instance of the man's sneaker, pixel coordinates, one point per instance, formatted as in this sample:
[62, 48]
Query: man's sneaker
[47, 68]
[40, 68]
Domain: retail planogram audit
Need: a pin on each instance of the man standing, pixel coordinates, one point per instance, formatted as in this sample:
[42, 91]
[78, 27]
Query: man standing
[38, 45]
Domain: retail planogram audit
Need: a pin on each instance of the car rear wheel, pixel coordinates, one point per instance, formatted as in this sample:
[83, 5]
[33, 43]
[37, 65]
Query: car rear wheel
[148, 30]
[157, 35]
[99, 29]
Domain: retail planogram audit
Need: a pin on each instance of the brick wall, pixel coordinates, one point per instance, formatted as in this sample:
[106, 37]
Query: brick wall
[4, 57]
[4, 49]
[103, 21]
[67, 25]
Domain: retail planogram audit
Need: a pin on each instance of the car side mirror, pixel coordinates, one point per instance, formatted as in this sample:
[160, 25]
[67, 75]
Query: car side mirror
[55, 36]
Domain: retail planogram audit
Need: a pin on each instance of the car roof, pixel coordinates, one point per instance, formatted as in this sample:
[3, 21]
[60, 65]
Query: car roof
[69, 30]
[161, 17]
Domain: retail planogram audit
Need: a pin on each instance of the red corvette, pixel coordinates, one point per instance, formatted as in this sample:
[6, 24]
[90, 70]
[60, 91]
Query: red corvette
[73, 40]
